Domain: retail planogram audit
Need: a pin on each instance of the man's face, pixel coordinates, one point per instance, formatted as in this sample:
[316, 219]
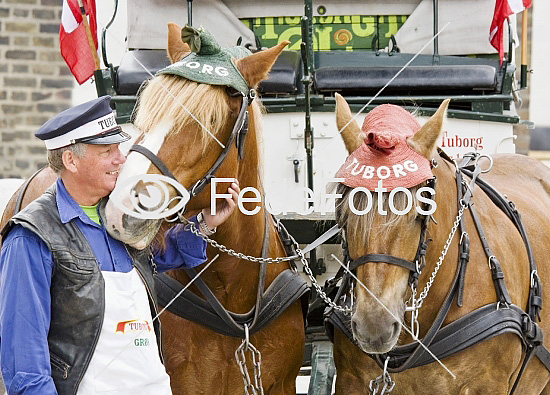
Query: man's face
[98, 169]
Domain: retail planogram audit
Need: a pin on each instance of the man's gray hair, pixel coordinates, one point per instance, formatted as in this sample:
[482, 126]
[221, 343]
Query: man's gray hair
[55, 156]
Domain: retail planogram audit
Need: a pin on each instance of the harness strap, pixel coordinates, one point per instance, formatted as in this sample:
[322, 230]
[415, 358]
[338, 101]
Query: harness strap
[494, 265]
[320, 240]
[285, 289]
[534, 303]
[239, 123]
[263, 268]
[153, 158]
[382, 258]
[464, 243]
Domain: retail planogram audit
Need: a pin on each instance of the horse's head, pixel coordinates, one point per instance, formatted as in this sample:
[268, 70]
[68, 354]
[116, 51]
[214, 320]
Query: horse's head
[187, 114]
[387, 150]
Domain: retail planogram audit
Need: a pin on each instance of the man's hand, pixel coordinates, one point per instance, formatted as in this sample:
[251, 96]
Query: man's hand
[223, 208]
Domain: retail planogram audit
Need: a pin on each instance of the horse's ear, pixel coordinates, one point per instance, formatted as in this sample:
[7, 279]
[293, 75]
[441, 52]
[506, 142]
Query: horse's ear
[352, 135]
[425, 139]
[254, 68]
[176, 48]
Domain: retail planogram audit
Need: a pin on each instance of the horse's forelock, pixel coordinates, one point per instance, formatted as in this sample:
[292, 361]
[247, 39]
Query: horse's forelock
[182, 102]
[360, 226]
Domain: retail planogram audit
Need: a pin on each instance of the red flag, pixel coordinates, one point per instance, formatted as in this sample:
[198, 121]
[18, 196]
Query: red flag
[73, 41]
[503, 9]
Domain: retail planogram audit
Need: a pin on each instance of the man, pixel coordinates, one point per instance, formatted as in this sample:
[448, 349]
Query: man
[76, 305]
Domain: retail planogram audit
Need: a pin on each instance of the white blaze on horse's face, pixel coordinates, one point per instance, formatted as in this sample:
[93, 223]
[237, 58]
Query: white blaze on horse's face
[135, 231]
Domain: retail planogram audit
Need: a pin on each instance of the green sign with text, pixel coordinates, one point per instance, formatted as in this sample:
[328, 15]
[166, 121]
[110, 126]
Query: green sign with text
[347, 33]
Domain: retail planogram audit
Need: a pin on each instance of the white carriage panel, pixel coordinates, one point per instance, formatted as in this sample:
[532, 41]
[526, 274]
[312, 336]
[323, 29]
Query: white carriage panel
[284, 143]
[461, 136]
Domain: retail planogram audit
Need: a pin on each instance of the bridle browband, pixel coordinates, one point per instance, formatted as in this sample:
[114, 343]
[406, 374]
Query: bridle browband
[238, 134]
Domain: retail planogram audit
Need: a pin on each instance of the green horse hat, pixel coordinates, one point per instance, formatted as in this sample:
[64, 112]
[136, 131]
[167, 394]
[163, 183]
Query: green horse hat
[208, 63]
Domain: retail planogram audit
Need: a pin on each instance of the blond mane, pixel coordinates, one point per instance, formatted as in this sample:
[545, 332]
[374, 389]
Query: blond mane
[181, 102]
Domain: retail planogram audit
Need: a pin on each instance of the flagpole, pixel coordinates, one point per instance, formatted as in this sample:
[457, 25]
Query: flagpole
[524, 27]
[89, 34]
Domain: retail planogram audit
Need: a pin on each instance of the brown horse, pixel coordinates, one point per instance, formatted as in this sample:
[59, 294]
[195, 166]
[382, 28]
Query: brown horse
[39, 183]
[490, 366]
[201, 361]
[198, 360]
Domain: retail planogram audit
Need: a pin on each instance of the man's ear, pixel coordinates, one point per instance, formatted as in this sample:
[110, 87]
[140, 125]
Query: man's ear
[70, 161]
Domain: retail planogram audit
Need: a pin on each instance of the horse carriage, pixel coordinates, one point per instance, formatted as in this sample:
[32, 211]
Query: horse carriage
[247, 325]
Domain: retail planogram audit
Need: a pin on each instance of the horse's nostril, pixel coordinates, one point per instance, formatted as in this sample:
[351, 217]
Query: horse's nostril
[396, 328]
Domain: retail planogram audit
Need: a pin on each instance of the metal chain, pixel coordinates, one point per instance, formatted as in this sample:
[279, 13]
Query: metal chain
[426, 289]
[240, 356]
[385, 379]
[193, 229]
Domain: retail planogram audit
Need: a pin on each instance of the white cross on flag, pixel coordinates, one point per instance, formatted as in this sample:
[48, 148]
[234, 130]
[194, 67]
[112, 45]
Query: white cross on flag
[73, 40]
[503, 9]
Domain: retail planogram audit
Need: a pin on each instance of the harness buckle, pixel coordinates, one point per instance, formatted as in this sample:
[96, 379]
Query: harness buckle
[251, 95]
[506, 305]
[462, 237]
[491, 258]
[534, 277]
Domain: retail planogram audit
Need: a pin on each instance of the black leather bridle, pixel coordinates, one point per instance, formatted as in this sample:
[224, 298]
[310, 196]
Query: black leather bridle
[415, 266]
[238, 134]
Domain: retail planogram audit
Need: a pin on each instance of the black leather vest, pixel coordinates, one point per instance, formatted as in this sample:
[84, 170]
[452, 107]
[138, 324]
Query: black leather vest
[77, 290]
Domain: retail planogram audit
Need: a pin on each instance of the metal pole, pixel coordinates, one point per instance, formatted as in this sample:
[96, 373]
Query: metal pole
[436, 30]
[307, 59]
[89, 34]
[524, 28]
[190, 12]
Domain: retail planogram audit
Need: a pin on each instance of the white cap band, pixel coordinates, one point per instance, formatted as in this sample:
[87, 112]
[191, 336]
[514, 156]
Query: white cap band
[92, 128]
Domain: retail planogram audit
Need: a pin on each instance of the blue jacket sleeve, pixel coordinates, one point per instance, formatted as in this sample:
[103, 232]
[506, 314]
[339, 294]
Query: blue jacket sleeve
[25, 278]
[183, 249]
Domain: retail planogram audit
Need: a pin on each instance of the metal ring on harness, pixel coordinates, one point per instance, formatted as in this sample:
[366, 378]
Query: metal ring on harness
[490, 162]
[246, 337]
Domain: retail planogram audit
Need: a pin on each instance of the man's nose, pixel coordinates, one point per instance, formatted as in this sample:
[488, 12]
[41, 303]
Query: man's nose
[120, 158]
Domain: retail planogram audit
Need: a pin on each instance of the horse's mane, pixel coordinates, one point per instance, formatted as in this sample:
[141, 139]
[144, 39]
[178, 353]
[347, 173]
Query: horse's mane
[360, 226]
[174, 99]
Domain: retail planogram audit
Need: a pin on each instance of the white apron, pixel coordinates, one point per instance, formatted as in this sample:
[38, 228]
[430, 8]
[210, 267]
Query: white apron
[126, 359]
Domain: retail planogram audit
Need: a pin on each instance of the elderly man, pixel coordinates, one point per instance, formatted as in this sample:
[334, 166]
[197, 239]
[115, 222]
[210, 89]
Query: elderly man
[76, 305]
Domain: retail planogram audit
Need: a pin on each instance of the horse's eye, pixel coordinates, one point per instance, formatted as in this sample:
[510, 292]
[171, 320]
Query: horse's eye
[231, 92]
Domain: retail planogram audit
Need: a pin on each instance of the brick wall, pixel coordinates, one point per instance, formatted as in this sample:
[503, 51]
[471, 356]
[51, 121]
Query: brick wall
[35, 82]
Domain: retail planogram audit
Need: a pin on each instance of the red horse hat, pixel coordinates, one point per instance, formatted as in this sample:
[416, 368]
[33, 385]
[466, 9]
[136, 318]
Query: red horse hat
[385, 155]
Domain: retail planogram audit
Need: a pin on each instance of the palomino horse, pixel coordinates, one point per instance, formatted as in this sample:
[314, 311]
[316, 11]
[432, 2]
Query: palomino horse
[199, 360]
[490, 366]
